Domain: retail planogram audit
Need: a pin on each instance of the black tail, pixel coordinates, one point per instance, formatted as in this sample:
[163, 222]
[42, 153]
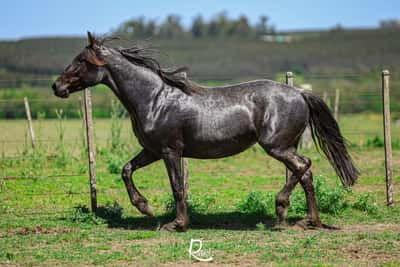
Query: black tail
[326, 135]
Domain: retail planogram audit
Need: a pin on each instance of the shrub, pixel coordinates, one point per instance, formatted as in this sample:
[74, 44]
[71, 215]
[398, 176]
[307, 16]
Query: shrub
[378, 141]
[109, 212]
[82, 214]
[114, 164]
[258, 203]
[365, 202]
[331, 200]
[375, 142]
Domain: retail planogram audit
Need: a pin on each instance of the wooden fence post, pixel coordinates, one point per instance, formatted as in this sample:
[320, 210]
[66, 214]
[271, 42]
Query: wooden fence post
[325, 97]
[90, 148]
[29, 117]
[336, 110]
[289, 78]
[388, 138]
[82, 112]
[289, 81]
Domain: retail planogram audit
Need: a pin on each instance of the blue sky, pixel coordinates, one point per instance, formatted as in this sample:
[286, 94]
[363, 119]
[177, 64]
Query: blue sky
[27, 18]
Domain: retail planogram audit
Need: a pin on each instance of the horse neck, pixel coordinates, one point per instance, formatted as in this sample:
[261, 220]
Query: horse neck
[135, 86]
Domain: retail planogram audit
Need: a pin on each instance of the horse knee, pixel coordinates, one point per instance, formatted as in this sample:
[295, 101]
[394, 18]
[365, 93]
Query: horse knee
[303, 165]
[127, 171]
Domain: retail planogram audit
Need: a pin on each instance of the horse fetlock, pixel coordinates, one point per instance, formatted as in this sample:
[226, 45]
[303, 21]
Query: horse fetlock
[177, 225]
[144, 207]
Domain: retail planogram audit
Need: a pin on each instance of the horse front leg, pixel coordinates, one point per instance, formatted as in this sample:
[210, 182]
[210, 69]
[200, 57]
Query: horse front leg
[178, 178]
[142, 159]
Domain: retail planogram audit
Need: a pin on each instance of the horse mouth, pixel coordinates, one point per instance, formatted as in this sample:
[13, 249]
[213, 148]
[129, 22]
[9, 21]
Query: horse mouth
[62, 94]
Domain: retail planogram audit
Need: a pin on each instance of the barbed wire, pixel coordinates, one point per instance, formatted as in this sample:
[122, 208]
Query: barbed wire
[211, 77]
[28, 212]
[53, 176]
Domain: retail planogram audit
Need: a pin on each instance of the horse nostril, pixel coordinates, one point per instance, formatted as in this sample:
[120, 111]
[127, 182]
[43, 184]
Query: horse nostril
[54, 86]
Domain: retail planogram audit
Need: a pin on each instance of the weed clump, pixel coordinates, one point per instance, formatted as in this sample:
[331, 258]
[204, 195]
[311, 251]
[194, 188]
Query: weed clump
[109, 212]
[378, 142]
[332, 199]
[365, 202]
[258, 203]
[82, 214]
[196, 204]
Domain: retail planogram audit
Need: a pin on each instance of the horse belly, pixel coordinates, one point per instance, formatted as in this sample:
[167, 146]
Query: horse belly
[219, 137]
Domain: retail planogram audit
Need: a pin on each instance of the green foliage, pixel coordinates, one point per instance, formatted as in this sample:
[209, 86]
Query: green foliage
[82, 214]
[377, 142]
[220, 26]
[118, 114]
[365, 202]
[331, 200]
[117, 146]
[109, 212]
[114, 163]
[196, 204]
[259, 203]
[63, 155]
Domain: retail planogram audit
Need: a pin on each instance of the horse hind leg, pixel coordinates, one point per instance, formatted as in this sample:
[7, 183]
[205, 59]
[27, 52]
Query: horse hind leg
[312, 219]
[298, 165]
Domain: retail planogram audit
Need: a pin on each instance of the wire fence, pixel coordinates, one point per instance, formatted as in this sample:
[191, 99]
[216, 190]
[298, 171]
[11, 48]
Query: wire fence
[17, 139]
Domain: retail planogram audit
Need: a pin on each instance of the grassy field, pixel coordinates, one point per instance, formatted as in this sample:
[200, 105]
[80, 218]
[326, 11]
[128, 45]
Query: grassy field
[40, 223]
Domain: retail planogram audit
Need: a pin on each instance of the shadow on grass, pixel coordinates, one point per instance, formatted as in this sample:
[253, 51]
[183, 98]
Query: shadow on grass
[224, 220]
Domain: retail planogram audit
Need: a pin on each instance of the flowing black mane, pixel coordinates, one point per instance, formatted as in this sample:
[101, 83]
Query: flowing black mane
[142, 56]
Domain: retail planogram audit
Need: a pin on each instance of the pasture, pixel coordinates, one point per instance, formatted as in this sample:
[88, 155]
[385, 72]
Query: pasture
[44, 199]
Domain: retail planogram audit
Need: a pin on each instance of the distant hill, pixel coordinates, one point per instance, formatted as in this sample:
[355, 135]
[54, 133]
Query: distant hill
[333, 52]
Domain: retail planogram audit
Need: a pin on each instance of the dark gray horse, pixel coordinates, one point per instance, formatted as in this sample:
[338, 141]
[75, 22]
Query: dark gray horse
[173, 118]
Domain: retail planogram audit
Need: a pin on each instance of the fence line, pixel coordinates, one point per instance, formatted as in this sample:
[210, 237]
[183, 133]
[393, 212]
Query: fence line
[93, 190]
[53, 176]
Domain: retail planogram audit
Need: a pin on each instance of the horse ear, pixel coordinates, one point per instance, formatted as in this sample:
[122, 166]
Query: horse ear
[92, 41]
[91, 57]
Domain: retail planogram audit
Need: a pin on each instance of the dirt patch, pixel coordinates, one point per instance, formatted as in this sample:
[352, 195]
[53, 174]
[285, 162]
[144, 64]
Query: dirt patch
[365, 256]
[371, 228]
[38, 230]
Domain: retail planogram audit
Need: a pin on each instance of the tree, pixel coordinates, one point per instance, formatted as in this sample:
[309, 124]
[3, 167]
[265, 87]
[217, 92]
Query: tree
[171, 27]
[241, 27]
[138, 28]
[261, 26]
[198, 27]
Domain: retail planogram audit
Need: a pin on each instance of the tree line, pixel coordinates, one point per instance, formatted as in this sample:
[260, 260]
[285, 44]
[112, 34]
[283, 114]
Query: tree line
[220, 26]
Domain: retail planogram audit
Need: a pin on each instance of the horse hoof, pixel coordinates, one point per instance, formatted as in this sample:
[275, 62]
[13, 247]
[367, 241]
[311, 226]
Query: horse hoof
[173, 226]
[282, 226]
[308, 224]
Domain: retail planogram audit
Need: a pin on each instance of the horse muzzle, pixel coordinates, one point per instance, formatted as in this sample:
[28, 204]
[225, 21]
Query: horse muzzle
[60, 91]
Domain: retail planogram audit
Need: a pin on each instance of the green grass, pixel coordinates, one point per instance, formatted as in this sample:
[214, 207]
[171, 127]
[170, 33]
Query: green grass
[39, 224]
